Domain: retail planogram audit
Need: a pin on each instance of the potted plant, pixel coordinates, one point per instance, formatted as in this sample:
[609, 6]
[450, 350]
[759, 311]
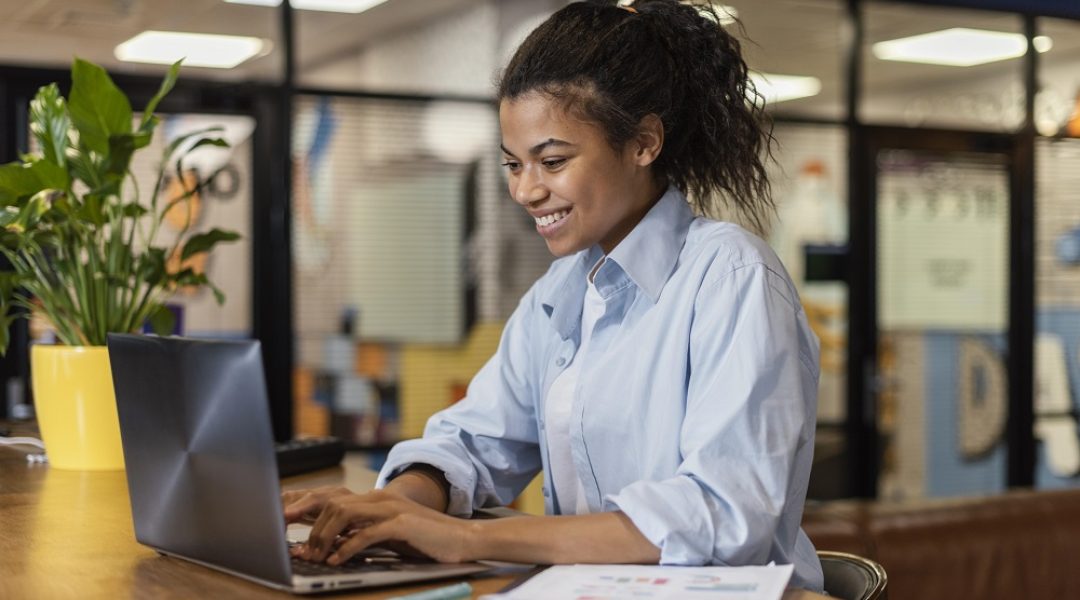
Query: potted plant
[84, 252]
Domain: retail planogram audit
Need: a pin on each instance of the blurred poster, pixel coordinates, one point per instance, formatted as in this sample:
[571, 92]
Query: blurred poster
[942, 241]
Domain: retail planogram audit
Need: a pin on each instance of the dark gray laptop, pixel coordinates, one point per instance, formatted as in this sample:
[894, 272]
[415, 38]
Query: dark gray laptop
[201, 471]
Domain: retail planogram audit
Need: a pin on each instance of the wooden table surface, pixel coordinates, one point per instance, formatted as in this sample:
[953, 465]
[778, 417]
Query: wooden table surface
[68, 534]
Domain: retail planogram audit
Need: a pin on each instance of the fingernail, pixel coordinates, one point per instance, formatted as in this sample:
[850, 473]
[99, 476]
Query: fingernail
[334, 559]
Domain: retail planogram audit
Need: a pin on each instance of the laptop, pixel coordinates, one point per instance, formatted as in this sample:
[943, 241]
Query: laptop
[199, 453]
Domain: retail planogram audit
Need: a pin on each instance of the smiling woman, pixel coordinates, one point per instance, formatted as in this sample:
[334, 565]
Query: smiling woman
[662, 374]
[580, 190]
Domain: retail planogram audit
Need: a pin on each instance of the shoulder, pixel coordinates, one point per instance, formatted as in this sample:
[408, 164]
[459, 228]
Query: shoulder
[719, 251]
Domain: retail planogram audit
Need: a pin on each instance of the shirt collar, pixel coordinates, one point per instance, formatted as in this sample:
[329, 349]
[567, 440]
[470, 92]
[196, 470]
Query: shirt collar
[646, 256]
[649, 252]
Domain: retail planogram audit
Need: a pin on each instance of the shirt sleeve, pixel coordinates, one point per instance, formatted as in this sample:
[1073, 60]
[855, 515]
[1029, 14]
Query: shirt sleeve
[486, 444]
[750, 412]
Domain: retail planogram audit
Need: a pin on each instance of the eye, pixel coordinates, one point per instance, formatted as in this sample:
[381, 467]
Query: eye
[554, 163]
[512, 165]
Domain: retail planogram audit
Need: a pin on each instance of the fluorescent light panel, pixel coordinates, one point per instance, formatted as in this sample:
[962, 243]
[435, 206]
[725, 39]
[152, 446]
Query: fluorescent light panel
[197, 49]
[343, 6]
[958, 47]
[779, 88]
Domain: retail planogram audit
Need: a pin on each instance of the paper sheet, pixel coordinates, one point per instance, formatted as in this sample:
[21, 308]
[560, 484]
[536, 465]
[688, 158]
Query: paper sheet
[610, 582]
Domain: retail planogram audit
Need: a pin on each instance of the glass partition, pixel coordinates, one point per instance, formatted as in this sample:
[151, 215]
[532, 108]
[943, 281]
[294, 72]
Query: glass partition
[943, 238]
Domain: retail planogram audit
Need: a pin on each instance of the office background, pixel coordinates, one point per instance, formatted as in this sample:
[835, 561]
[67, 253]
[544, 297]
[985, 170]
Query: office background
[929, 214]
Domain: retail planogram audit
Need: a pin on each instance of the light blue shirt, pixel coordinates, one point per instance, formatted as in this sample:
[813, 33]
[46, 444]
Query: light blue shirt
[695, 407]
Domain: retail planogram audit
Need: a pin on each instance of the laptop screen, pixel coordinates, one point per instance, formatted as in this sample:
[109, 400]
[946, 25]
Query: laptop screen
[198, 448]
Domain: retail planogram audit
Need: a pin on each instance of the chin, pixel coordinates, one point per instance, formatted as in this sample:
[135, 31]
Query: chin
[562, 250]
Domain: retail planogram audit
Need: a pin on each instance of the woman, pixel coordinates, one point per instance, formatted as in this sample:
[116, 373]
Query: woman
[662, 373]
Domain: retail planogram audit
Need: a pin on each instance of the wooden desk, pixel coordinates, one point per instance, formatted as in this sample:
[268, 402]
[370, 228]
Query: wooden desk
[68, 534]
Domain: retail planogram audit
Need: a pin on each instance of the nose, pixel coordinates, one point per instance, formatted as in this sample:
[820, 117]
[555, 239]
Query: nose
[529, 187]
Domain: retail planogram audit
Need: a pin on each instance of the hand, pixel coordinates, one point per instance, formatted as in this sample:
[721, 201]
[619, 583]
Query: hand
[304, 506]
[348, 523]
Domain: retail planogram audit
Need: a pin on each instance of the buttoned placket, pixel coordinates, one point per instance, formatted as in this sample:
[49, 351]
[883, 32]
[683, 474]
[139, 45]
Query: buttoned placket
[617, 291]
[563, 356]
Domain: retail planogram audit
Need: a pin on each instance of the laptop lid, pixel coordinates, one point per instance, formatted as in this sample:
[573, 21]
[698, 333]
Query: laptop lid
[198, 449]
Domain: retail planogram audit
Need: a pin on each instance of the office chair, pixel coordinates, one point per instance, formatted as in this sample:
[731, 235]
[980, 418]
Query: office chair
[852, 577]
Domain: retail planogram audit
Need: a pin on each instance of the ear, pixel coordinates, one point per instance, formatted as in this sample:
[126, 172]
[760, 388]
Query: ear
[649, 140]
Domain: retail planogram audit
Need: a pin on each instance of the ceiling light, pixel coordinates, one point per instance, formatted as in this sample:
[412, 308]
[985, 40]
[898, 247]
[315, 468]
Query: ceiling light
[197, 49]
[959, 47]
[778, 88]
[343, 6]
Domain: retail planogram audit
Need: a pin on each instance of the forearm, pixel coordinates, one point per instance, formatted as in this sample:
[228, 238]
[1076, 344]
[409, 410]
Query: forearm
[422, 488]
[597, 538]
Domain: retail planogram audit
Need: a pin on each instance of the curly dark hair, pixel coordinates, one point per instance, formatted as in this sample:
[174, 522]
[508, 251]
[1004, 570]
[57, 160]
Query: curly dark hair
[614, 66]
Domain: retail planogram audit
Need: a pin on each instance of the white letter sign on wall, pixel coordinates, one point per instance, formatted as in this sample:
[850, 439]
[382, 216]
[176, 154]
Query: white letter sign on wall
[943, 243]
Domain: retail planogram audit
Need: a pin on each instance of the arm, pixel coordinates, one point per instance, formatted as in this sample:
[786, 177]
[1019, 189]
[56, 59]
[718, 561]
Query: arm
[424, 485]
[486, 446]
[384, 518]
[747, 432]
[596, 538]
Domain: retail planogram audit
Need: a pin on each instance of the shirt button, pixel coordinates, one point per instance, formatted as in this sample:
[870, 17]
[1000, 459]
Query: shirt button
[558, 363]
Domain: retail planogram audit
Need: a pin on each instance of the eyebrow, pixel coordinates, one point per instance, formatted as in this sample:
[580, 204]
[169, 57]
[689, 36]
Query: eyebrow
[537, 149]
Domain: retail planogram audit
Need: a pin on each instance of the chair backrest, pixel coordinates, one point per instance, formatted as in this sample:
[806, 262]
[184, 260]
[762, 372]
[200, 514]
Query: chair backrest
[852, 577]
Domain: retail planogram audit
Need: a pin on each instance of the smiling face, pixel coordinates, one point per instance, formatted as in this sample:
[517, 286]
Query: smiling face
[563, 171]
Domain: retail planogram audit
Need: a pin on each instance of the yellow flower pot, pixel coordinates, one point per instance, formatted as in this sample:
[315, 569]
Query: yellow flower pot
[76, 407]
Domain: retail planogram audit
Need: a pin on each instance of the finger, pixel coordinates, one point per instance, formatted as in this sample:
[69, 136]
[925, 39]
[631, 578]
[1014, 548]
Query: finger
[305, 507]
[380, 532]
[340, 516]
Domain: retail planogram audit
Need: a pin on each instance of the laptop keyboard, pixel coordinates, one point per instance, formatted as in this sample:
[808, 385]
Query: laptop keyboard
[314, 569]
[361, 563]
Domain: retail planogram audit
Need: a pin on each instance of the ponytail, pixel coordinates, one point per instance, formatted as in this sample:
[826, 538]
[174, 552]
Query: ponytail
[613, 67]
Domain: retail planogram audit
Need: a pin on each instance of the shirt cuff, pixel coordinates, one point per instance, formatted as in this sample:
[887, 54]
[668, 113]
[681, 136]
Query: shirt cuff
[672, 515]
[462, 481]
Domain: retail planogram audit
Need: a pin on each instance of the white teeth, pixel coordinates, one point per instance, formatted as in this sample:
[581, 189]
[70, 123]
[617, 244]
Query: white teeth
[549, 219]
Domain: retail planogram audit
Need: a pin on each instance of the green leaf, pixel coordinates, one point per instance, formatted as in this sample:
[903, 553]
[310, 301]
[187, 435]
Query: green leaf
[166, 86]
[10, 281]
[49, 122]
[152, 266]
[93, 209]
[19, 179]
[30, 213]
[162, 320]
[98, 108]
[85, 169]
[121, 148]
[134, 210]
[173, 145]
[219, 295]
[221, 143]
[203, 242]
[8, 215]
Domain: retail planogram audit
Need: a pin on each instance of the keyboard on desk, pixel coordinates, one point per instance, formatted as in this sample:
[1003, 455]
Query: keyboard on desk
[308, 454]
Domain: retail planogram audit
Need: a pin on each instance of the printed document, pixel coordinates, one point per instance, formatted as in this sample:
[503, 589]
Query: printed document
[610, 582]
